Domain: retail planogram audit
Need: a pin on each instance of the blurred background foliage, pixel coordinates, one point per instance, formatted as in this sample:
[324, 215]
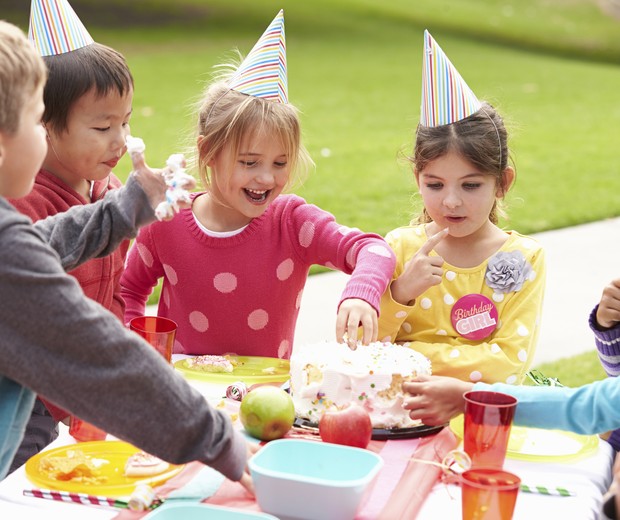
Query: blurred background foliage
[551, 67]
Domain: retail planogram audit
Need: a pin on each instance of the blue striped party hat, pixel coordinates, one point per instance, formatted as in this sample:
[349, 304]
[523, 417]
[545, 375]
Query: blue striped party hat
[446, 98]
[263, 72]
[55, 28]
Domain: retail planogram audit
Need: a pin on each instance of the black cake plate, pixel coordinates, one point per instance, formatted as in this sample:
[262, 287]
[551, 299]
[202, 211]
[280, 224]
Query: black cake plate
[383, 434]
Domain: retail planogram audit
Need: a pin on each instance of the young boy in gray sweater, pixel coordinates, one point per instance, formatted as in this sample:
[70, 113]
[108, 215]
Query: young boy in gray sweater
[50, 332]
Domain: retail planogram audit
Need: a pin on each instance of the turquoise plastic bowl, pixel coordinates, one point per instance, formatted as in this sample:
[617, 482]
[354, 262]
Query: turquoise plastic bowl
[308, 480]
[197, 511]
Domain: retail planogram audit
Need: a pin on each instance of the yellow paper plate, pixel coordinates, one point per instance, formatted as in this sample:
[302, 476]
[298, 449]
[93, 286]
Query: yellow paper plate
[112, 455]
[536, 444]
[250, 369]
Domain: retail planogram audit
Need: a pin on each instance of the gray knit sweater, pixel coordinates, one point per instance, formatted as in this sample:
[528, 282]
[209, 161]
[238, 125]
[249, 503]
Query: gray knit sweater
[69, 349]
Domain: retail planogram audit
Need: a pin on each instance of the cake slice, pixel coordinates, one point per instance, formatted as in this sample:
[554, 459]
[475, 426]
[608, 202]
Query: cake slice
[212, 363]
[142, 464]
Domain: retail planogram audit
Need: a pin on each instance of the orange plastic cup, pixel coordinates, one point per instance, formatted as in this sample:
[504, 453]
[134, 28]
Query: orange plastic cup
[489, 494]
[158, 331]
[488, 420]
[82, 431]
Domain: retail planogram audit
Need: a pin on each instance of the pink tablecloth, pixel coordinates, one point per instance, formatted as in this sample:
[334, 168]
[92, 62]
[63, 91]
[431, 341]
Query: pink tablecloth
[398, 491]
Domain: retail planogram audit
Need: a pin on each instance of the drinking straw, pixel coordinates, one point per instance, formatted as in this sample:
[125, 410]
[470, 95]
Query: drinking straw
[544, 490]
[539, 490]
[83, 498]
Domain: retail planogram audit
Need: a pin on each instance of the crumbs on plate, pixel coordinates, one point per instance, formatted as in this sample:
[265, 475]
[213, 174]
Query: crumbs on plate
[212, 363]
[74, 467]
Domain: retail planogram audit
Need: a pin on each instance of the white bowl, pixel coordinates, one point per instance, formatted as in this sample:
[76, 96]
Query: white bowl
[309, 480]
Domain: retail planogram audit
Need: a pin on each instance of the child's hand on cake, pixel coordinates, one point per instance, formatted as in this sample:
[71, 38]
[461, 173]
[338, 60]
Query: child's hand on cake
[435, 400]
[352, 314]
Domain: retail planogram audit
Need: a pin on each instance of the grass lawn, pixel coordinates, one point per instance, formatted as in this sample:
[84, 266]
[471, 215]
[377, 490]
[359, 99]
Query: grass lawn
[354, 71]
[575, 370]
[551, 67]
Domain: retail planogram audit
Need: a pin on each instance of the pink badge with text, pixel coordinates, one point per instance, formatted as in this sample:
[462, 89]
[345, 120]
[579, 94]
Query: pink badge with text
[474, 317]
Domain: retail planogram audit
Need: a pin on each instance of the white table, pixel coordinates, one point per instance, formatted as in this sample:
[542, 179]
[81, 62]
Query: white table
[588, 477]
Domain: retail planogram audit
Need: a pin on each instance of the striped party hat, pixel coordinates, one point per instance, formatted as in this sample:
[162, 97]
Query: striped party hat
[446, 98]
[263, 72]
[55, 28]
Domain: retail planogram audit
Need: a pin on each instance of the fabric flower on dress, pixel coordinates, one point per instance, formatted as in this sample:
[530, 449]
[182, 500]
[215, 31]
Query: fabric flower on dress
[506, 271]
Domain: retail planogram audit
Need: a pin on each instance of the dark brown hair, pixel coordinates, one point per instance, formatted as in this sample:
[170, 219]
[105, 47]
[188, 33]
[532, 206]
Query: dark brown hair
[481, 139]
[75, 73]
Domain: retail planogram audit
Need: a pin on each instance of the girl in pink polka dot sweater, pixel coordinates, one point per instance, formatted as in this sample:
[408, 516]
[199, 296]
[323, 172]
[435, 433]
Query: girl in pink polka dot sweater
[234, 266]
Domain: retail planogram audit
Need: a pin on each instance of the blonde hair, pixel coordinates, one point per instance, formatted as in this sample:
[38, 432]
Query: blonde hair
[481, 139]
[227, 117]
[22, 72]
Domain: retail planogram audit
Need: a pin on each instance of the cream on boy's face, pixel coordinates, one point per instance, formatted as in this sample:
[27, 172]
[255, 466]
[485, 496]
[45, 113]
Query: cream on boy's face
[22, 153]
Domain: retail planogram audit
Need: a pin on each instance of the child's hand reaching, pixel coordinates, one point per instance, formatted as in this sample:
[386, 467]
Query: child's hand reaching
[246, 478]
[608, 312]
[152, 181]
[435, 399]
[167, 188]
[421, 272]
[352, 313]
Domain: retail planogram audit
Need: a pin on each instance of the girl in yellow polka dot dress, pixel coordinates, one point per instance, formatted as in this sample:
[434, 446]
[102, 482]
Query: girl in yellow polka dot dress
[234, 266]
[465, 293]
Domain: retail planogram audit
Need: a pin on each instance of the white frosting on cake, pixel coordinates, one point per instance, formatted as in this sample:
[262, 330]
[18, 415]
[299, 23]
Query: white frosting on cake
[330, 373]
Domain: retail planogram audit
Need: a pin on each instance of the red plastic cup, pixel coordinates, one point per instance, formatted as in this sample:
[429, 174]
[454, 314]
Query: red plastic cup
[488, 419]
[159, 332]
[489, 494]
[82, 431]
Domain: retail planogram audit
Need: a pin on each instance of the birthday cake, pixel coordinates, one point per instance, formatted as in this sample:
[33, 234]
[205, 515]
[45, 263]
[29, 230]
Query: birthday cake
[331, 374]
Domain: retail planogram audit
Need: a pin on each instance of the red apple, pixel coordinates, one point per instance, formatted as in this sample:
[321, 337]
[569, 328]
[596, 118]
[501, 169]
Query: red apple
[350, 426]
[267, 412]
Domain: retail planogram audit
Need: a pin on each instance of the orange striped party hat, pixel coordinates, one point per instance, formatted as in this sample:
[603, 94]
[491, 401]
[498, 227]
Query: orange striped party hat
[446, 98]
[55, 28]
[263, 72]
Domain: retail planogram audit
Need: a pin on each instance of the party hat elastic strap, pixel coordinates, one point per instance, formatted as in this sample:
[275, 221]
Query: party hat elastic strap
[263, 72]
[55, 28]
[446, 98]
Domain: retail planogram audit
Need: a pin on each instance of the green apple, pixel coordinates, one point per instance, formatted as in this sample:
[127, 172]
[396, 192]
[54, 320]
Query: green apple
[267, 412]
